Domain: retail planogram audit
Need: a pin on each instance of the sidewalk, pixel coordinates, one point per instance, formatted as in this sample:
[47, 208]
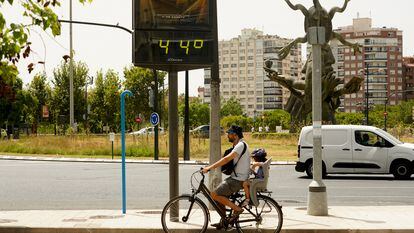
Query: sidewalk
[363, 219]
[92, 160]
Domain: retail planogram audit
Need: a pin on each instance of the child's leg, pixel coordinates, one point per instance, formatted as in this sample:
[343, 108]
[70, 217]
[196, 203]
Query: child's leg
[246, 189]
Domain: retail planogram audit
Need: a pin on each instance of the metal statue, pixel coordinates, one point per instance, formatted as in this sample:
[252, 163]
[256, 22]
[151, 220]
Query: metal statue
[299, 104]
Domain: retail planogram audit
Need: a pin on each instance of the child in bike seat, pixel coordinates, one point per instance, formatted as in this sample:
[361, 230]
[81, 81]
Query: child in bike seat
[259, 157]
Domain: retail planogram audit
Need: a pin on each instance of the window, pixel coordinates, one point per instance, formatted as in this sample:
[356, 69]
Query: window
[370, 139]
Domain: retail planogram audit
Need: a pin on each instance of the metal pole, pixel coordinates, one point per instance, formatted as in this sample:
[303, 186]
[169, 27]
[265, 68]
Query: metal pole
[173, 136]
[385, 115]
[186, 120]
[366, 95]
[156, 142]
[71, 101]
[215, 139]
[86, 108]
[124, 93]
[112, 150]
[317, 197]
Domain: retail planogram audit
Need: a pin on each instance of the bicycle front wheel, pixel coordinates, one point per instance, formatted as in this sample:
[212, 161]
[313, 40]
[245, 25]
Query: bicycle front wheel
[267, 215]
[184, 213]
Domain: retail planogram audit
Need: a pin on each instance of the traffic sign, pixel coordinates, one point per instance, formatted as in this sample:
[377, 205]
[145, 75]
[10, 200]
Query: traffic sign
[385, 113]
[155, 118]
[138, 120]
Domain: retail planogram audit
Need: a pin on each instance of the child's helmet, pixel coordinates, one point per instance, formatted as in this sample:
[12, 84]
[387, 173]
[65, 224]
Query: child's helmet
[259, 153]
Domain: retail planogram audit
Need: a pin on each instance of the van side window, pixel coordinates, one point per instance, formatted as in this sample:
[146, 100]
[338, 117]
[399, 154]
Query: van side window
[370, 139]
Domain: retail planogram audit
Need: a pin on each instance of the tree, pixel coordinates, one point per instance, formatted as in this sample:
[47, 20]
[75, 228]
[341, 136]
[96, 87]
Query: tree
[345, 118]
[245, 122]
[17, 108]
[275, 118]
[14, 43]
[105, 102]
[231, 107]
[199, 113]
[39, 87]
[138, 81]
[60, 94]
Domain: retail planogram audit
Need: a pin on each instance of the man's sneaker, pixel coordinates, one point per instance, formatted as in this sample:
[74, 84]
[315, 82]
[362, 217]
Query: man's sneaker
[245, 203]
[218, 225]
[235, 216]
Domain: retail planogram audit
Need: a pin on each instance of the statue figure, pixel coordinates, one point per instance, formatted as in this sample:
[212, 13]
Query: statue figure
[299, 104]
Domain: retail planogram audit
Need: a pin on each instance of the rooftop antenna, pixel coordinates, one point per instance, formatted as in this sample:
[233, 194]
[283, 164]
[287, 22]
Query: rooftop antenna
[357, 15]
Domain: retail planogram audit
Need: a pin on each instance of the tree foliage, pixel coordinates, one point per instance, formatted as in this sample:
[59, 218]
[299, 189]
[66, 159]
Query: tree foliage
[105, 102]
[60, 95]
[138, 81]
[245, 122]
[199, 113]
[231, 107]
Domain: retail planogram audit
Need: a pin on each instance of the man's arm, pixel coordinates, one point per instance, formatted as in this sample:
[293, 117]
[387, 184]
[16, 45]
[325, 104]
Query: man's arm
[221, 162]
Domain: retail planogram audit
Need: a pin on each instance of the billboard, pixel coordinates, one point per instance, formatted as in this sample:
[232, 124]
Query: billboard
[173, 34]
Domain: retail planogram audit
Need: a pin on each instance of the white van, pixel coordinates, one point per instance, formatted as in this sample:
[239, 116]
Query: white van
[356, 149]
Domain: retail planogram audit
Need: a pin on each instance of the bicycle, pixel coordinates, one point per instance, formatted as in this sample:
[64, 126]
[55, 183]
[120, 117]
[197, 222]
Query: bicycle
[189, 212]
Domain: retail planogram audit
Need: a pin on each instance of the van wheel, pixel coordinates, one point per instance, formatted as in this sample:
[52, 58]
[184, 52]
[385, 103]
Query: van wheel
[401, 170]
[309, 169]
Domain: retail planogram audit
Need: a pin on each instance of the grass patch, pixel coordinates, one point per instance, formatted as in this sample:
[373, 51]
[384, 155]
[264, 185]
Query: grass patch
[137, 147]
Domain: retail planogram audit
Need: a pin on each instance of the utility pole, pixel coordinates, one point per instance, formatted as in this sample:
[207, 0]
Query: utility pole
[156, 144]
[215, 139]
[186, 120]
[367, 94]
[173, 136]
[317, 197]
[71, 100]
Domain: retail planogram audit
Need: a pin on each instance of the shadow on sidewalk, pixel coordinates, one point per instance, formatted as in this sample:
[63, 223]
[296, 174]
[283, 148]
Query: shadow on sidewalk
[355, 177]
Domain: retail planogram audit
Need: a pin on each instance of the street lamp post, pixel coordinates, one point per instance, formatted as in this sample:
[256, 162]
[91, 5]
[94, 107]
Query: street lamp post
[367, 95]
[89, 81]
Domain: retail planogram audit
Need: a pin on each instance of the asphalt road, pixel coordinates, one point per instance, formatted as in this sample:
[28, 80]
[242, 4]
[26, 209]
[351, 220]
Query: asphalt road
[29, 185]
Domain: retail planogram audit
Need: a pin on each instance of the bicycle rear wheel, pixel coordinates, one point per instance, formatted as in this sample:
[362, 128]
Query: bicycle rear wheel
[184, 213]
[267, 215]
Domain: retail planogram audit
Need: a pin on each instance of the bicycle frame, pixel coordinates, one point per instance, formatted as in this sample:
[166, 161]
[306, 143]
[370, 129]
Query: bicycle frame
[202, 188]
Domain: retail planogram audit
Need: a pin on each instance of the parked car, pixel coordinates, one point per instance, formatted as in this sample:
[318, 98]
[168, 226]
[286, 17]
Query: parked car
[356, 149]
[147, 130]
[203, 131]
[3, 134]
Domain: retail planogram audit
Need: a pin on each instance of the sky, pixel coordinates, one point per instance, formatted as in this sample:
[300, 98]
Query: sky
[106, 48]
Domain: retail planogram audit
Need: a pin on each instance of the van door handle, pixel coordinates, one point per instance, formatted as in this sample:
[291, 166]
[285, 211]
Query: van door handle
[346, 149]
[358, 149]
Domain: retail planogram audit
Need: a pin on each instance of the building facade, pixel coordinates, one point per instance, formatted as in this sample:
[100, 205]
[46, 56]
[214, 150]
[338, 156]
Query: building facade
[241, 62]
[408, 77]
[380, 63]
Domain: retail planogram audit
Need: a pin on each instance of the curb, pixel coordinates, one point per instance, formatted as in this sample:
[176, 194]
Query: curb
[131, 161]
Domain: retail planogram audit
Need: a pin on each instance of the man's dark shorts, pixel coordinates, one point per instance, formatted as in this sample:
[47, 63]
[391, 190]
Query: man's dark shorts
[228, 187]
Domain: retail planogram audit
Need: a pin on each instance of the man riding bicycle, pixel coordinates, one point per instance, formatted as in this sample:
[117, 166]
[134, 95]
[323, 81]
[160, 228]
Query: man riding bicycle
[234, 183]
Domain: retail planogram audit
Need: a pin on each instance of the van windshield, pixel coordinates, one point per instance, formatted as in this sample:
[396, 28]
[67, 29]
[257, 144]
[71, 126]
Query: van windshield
[392, 138]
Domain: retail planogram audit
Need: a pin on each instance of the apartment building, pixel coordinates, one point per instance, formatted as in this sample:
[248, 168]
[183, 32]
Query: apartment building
[242, 75]
[380, 63]
[408, 77]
